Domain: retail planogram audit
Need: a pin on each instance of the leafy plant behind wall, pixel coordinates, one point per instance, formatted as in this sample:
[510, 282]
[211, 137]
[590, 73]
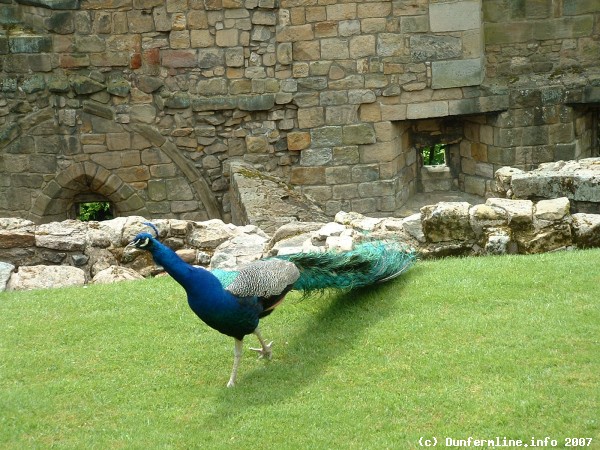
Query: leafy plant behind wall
[94, 211]
[434, 156]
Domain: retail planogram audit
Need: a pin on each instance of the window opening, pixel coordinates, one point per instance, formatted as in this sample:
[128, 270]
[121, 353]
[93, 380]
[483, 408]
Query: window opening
[87, 211]
[434, 155]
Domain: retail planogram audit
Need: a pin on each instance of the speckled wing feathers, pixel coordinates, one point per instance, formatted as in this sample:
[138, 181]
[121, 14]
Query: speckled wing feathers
[264, 278]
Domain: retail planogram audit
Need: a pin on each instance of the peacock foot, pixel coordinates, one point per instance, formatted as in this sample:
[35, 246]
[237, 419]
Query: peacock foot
[264, 351]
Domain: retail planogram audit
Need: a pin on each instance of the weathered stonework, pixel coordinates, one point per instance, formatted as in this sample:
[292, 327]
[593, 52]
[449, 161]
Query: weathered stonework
[146, 104]
[579, 181]
[73, 253]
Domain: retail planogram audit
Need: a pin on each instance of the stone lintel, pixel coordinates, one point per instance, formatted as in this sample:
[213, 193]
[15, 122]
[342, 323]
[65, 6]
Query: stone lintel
[52, 4]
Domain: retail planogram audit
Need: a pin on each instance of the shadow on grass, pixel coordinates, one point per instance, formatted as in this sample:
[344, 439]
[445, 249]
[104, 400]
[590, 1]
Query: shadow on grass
[331, 333]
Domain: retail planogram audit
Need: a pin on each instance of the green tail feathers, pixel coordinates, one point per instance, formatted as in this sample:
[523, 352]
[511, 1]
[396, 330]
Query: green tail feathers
[368, 263]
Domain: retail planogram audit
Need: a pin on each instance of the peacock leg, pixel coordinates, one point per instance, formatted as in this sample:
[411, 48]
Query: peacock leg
[237, 356]
[265, 350]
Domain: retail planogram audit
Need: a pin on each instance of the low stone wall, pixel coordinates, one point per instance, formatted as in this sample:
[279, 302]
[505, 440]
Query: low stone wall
[74, 253]
[579, 181]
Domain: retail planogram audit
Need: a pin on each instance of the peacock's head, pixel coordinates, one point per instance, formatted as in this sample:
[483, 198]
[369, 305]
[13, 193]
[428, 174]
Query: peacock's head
[144, 241]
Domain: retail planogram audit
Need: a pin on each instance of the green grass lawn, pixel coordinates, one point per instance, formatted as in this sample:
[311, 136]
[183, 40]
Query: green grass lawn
[483, 347]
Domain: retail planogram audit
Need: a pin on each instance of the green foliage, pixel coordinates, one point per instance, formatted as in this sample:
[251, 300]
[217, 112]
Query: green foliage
[94, 211]
[434, 156]
[483, 347]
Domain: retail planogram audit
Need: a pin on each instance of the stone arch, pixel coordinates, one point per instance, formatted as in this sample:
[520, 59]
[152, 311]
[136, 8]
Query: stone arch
[197, 181]
[44, 201]
[57, 197]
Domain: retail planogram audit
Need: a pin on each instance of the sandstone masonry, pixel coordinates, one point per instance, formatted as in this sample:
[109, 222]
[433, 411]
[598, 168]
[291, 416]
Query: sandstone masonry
[147, 103]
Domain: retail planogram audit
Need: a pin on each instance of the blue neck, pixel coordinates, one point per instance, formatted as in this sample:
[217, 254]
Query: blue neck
[191, 278]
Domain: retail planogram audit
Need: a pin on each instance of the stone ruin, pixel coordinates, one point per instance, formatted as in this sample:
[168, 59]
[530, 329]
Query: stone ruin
[146, 104]
[579, 181]
[73, 253]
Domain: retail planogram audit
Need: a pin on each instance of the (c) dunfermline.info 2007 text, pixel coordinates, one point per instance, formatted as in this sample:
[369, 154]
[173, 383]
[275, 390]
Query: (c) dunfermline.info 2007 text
[500, 442]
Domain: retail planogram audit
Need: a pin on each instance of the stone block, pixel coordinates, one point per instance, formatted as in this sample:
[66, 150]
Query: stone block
[179, 39]
[178, 189]
[347, 155]
[345, 191]
[307, 175]
[414, 24]
[118, 141]
[552, 210]
[576, 180]
[157, 190]
[564, 28]
[340, 115]
[377, 189]
[29, 44]
[16, 238]
[338, 175]
[362, 133]
[457, 73]
[306, 51]
[455, 16]
[106, 160]
[577, 7]
[311, 117]
[349, 28]
[364, 205]
[316, 157]
[294, 33]
[257, 144]
[379, 152]
[508, 33]
[328, 28]
[520, 212]
[268, 18]
[390, 44]
[361, 46]
[374, 9]
[341, 11]
[227, 37]
[330, 136]
[298, 140]
[362, 173]
[41, 277]
[389, 112]
[447, 221]
[591, 94]
[432, 48]
[334, 48]
[474, 185]
[586, 230]
[179, 58]
[317, 194]
[6, 270]
[427, 110]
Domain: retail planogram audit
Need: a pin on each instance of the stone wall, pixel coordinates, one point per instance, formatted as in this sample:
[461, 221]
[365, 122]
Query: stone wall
[146, 103]
[73, 253]
[579, 181]
[542, 36]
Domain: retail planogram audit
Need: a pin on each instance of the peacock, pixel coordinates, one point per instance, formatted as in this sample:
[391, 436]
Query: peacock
[233, 302]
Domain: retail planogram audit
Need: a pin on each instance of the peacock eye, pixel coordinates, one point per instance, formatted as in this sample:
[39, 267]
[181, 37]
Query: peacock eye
[142, 243]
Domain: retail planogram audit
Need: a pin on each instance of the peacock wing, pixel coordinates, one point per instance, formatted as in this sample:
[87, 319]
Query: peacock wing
[264, 278]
